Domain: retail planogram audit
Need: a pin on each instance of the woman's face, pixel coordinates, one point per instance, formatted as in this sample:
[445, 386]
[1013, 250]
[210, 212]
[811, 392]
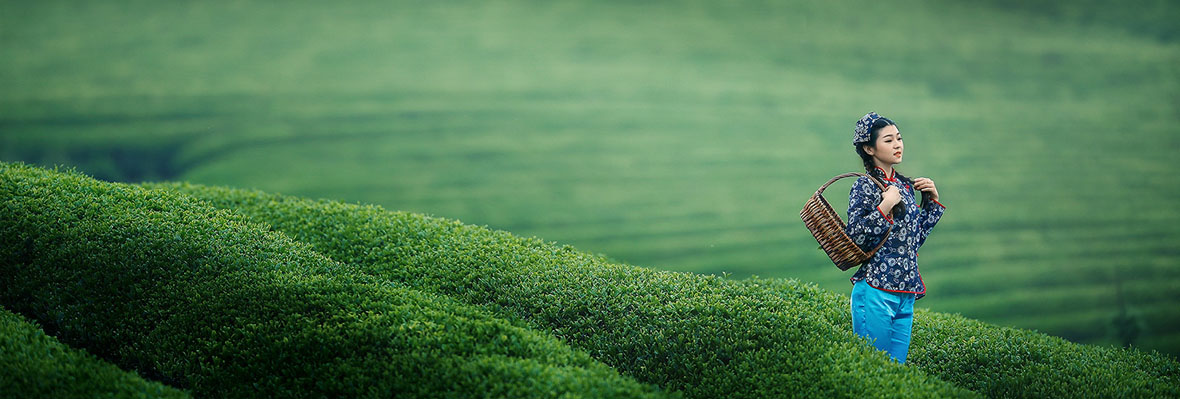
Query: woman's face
[888, 148]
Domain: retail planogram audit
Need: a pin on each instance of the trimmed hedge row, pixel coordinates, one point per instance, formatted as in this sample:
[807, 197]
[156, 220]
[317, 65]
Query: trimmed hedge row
[203, 299]
[1004, 362]
[707, 336]
[1017, 362]
[35, 365]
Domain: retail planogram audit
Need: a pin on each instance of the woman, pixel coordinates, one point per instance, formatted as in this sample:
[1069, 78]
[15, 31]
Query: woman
[886, 286]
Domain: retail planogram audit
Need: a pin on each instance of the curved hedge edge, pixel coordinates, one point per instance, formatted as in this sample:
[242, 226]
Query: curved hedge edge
[706, 336]
[36, 365]
[164, 283]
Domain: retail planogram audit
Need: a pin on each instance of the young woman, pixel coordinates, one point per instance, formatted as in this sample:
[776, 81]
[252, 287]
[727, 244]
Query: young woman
[886, 286]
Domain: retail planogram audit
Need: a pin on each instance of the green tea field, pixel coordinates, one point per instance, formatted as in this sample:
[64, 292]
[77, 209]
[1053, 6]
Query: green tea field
[171, 290]
[674, 135]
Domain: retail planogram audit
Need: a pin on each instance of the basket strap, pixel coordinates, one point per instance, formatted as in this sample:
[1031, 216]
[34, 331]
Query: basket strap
[874, 179]
[881, 185]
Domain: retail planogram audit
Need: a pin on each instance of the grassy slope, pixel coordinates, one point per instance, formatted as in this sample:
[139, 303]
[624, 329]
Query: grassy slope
[246, 297]
[204, 300]
[680, 135]
[248, 311]
[673, 328]
[36, 365]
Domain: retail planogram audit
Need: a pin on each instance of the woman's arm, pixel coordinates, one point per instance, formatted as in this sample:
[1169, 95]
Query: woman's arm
[931, 212]
[867, 218]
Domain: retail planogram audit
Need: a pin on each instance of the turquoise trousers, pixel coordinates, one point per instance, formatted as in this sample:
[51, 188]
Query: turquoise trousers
[884, 317]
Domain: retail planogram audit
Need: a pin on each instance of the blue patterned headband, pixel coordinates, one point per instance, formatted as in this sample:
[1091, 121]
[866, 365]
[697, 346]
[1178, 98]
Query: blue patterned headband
[864, 125]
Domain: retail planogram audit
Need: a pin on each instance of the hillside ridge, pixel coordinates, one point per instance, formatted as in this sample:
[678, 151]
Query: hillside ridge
[266, 265]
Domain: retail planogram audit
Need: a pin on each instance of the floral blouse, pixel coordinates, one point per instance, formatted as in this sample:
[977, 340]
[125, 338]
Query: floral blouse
[894, 267]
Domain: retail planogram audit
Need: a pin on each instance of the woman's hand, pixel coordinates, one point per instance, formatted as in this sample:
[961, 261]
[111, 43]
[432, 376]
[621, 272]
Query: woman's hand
[926, 186]
[890, 198]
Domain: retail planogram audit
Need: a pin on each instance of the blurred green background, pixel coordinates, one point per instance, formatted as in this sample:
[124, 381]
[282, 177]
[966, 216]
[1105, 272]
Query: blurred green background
[679, 135]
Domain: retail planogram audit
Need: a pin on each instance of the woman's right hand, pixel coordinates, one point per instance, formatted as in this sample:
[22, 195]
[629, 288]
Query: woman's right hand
[890, 198]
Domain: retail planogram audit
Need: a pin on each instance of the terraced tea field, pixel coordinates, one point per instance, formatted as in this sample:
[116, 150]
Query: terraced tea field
[676, 135]
[171, 290]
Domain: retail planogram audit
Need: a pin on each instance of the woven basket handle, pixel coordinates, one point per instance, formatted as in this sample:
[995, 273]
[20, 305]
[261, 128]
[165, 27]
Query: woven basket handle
[881, 185]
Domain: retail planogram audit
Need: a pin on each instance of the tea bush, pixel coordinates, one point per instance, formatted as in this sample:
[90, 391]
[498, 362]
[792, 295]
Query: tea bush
[1006, 362]
[205, 300]
[287, 297]
[707, 336]
[704, 335]
[1003, 362]
[35, 365]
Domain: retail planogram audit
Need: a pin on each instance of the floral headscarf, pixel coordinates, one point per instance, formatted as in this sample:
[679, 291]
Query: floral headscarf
[862, 127]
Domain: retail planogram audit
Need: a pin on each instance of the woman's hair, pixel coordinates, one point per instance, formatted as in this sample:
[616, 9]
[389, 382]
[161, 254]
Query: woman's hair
[870, 167]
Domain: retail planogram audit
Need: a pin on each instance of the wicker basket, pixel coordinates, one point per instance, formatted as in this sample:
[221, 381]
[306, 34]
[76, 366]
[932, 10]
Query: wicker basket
[828, 228]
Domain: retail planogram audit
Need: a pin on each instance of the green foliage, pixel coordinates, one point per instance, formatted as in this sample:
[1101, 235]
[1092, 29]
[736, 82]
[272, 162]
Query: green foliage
[205, 300]
[1005, 362]
[681, 135]
[704, 335]
[35, 365]
[235, 293]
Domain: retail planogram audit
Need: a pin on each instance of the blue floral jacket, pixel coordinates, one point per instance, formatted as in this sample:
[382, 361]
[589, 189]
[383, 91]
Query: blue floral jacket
[894, 267]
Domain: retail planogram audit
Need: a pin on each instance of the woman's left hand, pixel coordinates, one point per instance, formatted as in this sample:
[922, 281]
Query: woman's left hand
[927, 186]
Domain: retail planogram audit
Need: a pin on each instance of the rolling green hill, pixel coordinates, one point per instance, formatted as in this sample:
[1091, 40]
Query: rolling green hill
[682, 136]
[239, 293]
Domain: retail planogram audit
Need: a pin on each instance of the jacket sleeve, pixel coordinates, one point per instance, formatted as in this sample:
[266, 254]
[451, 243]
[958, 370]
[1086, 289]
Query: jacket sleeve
[867, 223]
[930, 215]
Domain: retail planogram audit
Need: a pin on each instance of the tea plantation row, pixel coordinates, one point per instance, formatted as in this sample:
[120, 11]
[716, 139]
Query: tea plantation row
[679, 135]
[36, 365]
[707, 336]
[287, 297]
[203, 300]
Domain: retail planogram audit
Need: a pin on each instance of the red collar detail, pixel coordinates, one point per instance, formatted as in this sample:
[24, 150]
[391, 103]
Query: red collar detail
[892, 177]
